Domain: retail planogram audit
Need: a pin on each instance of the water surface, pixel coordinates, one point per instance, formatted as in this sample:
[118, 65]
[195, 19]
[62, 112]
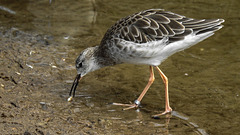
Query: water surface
[203, 80]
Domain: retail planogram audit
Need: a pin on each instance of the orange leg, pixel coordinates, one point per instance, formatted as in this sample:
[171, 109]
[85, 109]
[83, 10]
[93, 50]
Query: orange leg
[137, 102]
[168, 109]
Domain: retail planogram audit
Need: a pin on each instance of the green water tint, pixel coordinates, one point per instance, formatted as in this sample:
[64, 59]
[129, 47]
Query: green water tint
[203, 80]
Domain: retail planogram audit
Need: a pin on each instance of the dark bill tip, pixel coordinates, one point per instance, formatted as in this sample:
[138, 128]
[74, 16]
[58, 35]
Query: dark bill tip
[74, 86]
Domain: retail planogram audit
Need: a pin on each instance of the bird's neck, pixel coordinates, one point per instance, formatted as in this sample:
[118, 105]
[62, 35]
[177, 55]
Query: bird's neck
[102, 57]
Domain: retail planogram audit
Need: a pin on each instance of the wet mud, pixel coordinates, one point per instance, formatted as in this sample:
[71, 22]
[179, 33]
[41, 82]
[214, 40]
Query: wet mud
[27, 105]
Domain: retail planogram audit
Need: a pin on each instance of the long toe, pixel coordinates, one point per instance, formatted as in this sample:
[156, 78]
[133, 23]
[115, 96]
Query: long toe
[163, 113]
[130, 106]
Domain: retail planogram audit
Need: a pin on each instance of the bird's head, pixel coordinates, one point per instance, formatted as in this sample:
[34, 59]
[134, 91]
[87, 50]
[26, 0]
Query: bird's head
[85, 63]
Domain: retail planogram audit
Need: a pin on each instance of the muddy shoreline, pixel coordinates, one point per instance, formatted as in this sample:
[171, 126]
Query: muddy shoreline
[27, 107]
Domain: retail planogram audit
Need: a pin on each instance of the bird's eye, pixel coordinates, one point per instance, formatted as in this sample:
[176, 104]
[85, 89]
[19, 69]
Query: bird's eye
[80, 65]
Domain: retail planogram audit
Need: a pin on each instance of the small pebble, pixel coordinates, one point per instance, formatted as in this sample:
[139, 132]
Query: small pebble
[44, 105]
[29, 66]
[31, 52]
[66, 37]
[54, 66]
[76, 110]
[26, 133]
[201, 49]
[18, 73]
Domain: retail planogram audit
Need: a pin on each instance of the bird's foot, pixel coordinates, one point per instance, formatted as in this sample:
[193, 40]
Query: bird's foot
[167, 110]
[130, 106]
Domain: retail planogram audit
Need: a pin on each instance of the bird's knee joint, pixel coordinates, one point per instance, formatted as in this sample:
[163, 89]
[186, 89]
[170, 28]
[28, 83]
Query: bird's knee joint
[151, 79]
[165, 80]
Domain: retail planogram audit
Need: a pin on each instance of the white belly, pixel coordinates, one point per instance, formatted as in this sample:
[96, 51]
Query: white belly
[155, 52]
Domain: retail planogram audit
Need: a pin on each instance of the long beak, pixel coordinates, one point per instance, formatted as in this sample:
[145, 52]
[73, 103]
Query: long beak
[74, 86]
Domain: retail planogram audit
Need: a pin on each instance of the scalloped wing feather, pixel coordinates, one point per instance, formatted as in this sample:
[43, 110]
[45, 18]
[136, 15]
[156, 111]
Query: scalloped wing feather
[155, 24]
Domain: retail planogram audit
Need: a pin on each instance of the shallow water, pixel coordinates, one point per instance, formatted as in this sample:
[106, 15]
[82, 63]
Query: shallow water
[203, 80]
